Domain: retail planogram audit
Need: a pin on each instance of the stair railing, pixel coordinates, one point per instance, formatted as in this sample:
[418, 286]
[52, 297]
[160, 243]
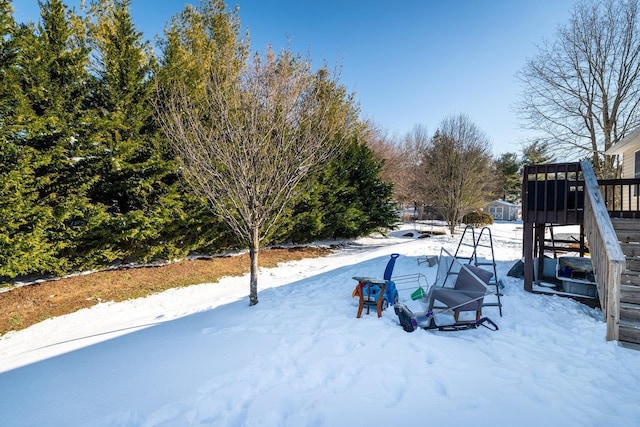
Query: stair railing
[606, 254]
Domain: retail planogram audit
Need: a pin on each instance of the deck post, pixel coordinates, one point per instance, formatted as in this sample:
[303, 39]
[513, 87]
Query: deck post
[527, 248]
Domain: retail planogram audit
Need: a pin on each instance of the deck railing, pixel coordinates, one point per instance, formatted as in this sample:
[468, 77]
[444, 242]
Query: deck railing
[553, 193]
[621, 196]
[606, 254]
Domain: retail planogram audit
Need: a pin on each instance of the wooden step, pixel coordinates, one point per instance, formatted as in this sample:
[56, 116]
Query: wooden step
[629, 312]
[630, 278]
[627, 230]
[629, 332]
[633, 264]
[625, 224]
[630, 294]
[629, 345]
[630, 249]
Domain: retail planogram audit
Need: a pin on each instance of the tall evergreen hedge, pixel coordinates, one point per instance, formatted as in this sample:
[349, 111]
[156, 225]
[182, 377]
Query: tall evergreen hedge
[86, 177]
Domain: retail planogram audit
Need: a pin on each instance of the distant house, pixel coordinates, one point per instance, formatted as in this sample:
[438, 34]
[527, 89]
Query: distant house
[629, 149]
[505, 211]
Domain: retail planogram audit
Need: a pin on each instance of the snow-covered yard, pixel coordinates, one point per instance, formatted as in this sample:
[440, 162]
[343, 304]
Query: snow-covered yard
[202, 356]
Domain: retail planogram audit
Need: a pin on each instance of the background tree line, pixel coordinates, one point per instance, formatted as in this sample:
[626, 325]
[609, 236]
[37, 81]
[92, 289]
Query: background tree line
[88, 177]
[452, 172]
[580, 96]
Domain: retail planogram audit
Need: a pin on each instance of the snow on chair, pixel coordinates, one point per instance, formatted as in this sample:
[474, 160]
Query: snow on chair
[377, 292]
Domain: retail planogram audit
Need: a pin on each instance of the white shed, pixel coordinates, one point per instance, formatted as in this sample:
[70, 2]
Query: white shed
[501, 210]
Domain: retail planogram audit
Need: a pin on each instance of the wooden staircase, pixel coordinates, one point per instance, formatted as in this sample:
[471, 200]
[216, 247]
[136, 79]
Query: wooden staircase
[628, 232]
[609, 214]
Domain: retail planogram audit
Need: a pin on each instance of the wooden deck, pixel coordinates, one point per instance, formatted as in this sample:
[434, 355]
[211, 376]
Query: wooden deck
[609, 215]
[552, 194]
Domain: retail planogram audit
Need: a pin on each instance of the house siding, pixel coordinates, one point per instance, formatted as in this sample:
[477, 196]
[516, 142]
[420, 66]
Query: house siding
[629, 172]
[628, 163]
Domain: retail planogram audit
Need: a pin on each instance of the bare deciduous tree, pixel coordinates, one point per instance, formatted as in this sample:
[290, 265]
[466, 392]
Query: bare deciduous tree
[412, 149]
[249, 147]
[582, 91]
[457, 170]
[401, 158]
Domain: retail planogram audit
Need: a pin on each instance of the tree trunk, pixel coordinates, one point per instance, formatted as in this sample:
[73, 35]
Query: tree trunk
[254, 249]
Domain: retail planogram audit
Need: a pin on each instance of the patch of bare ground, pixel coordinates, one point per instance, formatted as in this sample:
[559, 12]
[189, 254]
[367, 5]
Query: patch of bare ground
[27, 305]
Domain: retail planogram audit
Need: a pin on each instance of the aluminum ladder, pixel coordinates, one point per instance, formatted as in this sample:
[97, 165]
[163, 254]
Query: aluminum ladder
[484, 242]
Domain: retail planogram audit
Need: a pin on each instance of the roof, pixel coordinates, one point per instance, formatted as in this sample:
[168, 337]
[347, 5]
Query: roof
[503, 203]
[625, 143]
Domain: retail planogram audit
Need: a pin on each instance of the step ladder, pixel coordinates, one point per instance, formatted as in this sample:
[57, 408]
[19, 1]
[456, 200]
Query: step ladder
[468, 249]
[467, 245]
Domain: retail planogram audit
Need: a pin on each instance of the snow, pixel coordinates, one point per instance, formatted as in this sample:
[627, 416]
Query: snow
[201, 356]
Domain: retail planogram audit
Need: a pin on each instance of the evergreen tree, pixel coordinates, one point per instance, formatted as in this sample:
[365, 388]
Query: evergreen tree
[137, 182]
[361, 202]
[200, 41]
[55, 126]
[508, 172]
[8, 48]
[353, 199]
[23, 245]
[537, 153]
[347, 200]
[374, 195]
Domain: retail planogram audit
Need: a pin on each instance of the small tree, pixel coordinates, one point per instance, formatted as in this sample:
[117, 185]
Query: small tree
[249, 148]
[201, 39]
[456, 173]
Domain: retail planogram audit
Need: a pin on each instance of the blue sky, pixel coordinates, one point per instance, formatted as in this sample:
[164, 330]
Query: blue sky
[409, 62]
